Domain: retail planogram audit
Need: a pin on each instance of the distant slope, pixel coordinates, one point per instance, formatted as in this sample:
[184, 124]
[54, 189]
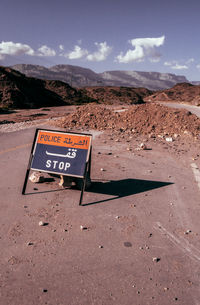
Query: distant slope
[149, 80]
[183, 92]
[117, 95]
[20, 91]
[81, 77]
[73, 75]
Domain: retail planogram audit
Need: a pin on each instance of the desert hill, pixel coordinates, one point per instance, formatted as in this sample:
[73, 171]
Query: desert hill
[117, 95]
[183, 92]
[19, 91]
[82, 77]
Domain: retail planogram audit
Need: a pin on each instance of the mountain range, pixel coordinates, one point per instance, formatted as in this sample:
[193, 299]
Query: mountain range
[17, 91]
[79, 77]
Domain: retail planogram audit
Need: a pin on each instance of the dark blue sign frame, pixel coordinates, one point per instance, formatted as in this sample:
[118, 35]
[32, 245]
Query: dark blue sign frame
[62, 153]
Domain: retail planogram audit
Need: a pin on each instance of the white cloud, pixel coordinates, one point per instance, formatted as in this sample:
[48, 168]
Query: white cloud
[77, 53]
[102, 52]
[17, 49]
[179, 67]
[168, 63]
[61, 47]
[175, 65]
[46, 51]
[14, 49]
[143, 47]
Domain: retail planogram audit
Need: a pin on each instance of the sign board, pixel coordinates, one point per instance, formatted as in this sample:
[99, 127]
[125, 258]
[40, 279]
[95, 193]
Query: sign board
[61, 153]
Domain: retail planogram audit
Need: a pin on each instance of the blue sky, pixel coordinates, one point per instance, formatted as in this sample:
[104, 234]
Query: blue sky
[142, 35]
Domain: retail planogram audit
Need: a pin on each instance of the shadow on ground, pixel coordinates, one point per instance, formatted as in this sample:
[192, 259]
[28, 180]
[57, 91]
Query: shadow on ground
[123, 188]
[115, 188]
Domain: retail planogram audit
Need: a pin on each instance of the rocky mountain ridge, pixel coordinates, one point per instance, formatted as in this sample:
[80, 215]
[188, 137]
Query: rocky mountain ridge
[82, 77]
[18, 91]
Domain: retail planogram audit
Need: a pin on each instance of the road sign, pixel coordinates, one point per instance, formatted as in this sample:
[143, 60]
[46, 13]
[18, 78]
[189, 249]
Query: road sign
[61, 153]
[58, 152]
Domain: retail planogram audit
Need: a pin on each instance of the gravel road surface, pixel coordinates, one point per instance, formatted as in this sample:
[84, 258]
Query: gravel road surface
[135, 240]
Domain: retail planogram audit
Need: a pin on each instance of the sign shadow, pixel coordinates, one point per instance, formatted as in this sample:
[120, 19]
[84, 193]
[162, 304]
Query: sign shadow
[123, 188]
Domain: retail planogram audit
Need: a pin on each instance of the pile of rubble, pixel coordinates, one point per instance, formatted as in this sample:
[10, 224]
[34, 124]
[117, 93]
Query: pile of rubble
[145, 119]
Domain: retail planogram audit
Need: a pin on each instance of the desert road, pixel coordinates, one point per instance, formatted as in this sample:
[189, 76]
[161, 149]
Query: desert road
[193, 109]
[135, 240]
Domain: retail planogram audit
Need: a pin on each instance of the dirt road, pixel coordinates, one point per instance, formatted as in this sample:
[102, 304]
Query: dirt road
[194, 109]
[141, 240]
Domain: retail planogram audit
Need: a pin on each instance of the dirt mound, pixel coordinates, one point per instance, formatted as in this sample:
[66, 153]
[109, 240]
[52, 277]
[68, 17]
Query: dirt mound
[19, 91]
[184, 92]
[145, 119]
[117, 95]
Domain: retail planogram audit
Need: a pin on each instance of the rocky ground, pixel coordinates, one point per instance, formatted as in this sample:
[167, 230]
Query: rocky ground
[147, 119]
[135, 240]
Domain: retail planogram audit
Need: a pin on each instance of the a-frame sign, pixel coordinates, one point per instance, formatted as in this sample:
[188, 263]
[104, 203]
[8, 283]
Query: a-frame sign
[63, 153]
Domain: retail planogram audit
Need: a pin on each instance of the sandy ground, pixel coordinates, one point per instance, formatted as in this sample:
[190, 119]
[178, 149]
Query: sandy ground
[141, 217]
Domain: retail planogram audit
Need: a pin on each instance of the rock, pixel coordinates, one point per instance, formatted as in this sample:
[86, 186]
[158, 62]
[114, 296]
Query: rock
[36, 177]
[187, 232]
[30, 243]
[66, 181]
[156, 259]
[143, 146]
[41, 223]
[169, 139]
[127, 244]
[83, 228]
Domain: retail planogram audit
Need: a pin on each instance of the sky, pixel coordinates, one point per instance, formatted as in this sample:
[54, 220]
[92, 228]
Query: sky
[142, 35]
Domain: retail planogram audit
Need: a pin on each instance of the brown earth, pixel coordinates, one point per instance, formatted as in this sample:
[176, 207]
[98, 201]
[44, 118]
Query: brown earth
[146, 119]
[181, 93]
[141, 240]
[117, 95]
